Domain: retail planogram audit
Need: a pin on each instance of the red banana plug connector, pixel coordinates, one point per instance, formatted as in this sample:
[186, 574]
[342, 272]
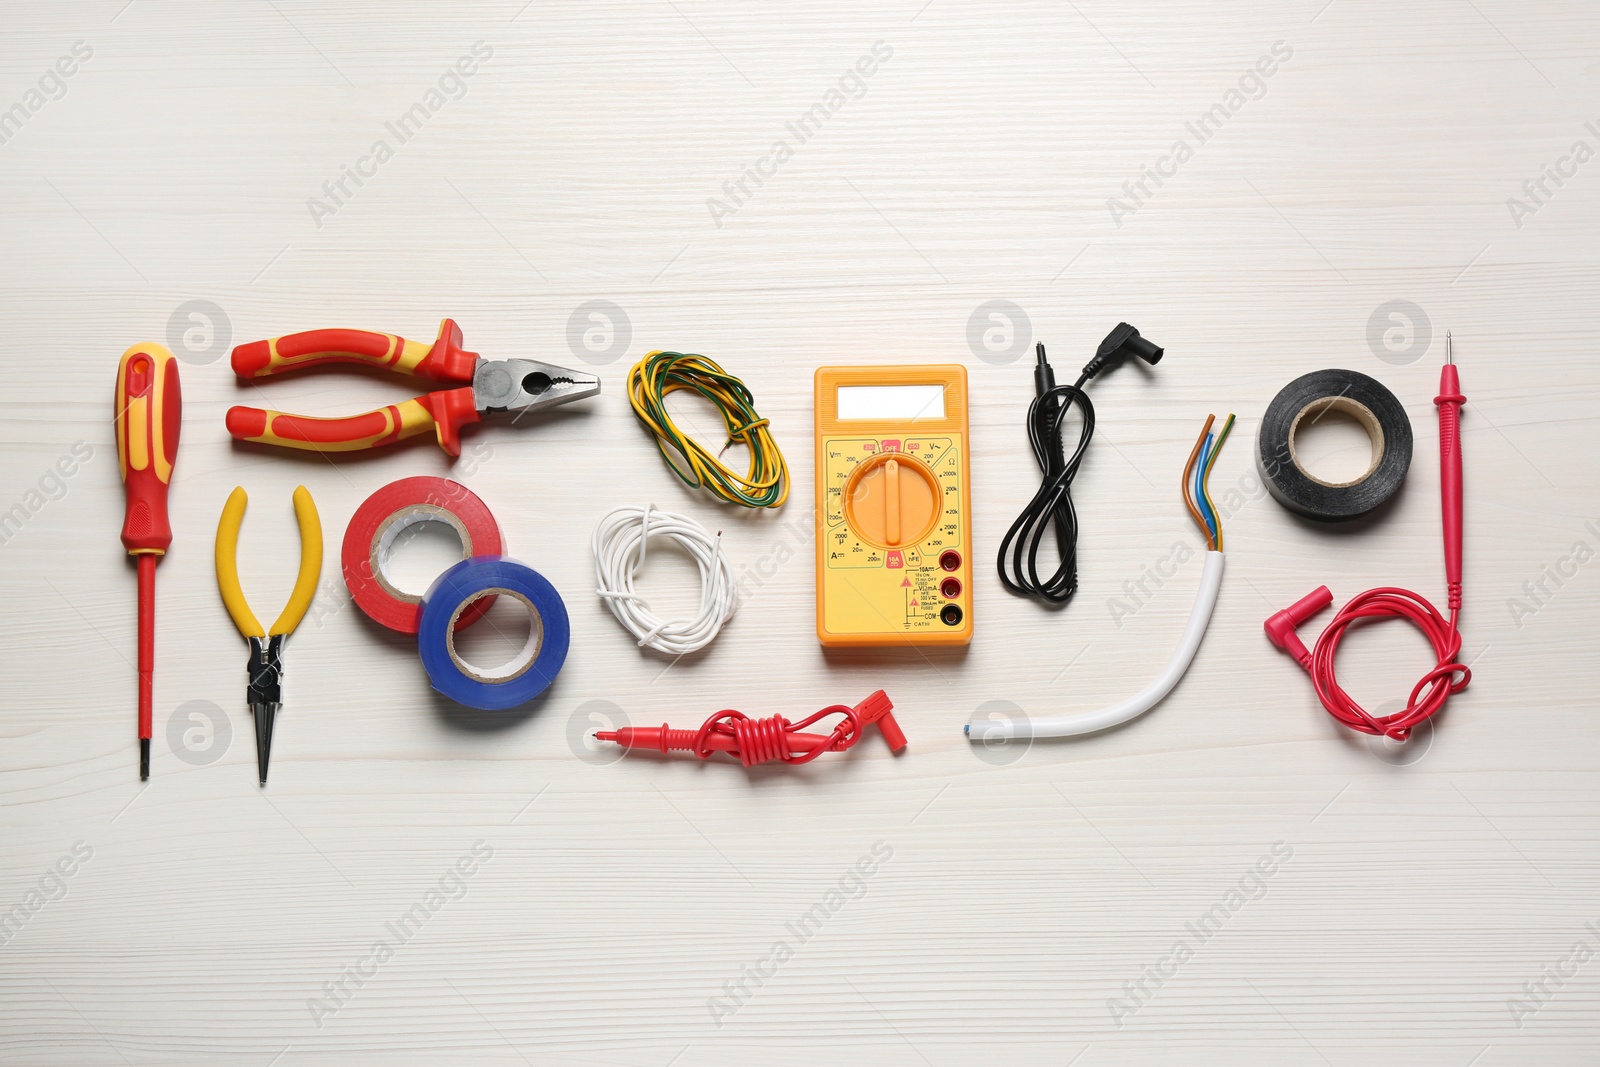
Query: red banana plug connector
[1448, 676]
[754, 741]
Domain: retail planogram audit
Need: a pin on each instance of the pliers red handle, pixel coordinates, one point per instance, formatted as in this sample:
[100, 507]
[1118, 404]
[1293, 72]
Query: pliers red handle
[483, 385]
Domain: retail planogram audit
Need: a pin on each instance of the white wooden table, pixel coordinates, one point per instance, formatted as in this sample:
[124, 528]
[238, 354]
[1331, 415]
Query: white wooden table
[1023, 903]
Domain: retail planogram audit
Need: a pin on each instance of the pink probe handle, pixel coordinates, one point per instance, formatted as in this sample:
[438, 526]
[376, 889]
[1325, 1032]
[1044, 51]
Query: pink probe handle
[1449, 402]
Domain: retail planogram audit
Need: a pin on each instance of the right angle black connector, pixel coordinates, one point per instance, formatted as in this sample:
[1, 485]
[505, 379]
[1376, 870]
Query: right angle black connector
[1125, 341]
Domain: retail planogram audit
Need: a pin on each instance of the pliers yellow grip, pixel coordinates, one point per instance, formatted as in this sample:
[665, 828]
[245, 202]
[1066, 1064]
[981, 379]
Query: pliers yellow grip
[265, 670]
[305, 583]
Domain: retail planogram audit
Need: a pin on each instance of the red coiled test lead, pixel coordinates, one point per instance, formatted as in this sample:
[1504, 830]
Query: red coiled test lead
[1449, 675]
[755, 741]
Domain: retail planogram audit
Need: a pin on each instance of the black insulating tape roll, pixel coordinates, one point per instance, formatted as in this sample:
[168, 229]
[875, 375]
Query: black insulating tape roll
[1308, 397]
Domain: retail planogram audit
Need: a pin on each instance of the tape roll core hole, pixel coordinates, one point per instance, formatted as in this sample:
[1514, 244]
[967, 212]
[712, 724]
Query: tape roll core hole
[1327, 433]
[499, 629]
[415, 546]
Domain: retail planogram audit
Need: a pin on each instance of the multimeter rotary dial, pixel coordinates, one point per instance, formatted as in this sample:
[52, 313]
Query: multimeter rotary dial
[892, 500]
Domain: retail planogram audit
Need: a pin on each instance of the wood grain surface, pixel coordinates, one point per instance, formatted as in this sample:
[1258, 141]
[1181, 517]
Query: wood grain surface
[419, 885]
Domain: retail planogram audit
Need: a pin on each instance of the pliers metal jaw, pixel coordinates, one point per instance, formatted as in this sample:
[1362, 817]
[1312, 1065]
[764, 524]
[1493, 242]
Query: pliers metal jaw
[266, 671]
[523, 385]
[264, 691]
[265, 694]
[516, 385]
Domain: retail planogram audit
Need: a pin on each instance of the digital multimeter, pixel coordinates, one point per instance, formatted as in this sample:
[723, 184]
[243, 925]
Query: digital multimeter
[894, 551]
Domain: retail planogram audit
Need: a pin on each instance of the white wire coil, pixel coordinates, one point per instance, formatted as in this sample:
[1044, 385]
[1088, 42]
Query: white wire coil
[620, 543]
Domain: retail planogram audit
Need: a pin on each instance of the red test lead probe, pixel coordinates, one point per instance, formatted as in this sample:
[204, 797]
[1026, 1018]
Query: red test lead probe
[753, 741]
[1428, 696]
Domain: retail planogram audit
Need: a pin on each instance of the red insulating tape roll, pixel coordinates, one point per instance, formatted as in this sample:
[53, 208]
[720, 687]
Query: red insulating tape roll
[389, 511]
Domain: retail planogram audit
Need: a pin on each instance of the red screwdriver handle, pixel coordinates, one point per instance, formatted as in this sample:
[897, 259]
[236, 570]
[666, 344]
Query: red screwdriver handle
[443, 361]
[149, 413]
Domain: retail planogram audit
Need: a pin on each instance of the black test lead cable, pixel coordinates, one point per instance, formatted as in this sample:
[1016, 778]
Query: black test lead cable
[1051, 507]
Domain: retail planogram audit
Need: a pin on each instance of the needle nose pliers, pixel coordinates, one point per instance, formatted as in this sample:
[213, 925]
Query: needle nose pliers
[484, 385]
[264, 692]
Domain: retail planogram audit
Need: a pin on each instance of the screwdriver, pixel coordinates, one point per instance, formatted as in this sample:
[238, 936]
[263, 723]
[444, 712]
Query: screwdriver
[149, 413]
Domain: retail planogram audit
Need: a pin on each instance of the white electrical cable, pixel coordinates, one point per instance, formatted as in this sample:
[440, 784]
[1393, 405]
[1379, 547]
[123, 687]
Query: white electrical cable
[998, 730]
[620, 543]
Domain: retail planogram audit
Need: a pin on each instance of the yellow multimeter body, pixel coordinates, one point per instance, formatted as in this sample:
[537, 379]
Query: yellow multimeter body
[894, 557]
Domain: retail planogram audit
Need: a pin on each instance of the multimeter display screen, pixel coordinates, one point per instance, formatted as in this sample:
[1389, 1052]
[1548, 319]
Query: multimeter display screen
[891, 402]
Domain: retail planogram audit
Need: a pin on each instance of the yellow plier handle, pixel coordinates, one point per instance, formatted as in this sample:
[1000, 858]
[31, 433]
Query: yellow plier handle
[305, 583]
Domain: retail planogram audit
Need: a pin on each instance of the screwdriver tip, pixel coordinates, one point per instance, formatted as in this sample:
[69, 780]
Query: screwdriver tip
[144, 759]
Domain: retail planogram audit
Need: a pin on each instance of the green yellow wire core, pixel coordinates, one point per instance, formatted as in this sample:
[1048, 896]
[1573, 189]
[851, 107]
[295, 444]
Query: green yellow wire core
[655, 377]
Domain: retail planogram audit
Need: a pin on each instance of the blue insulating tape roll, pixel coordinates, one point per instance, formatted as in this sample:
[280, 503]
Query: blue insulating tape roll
[526, 676]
